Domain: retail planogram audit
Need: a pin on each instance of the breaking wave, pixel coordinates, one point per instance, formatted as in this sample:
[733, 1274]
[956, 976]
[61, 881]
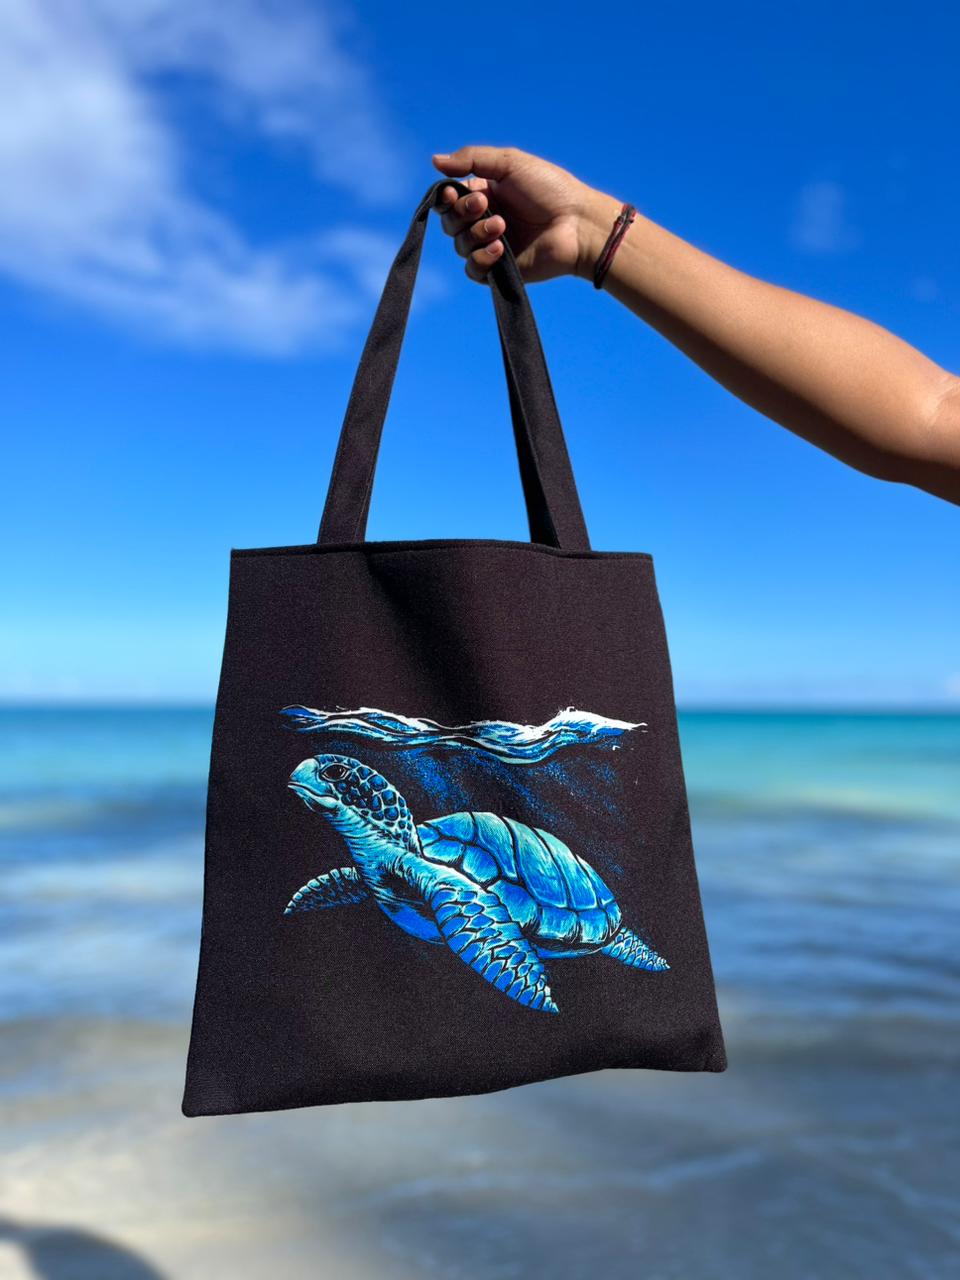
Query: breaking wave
[513, 743]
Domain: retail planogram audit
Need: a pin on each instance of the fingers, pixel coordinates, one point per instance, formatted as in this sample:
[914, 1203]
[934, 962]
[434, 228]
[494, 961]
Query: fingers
[481, 260]
[484, 235]
[461, 211]
[485, 162]
[475, 237]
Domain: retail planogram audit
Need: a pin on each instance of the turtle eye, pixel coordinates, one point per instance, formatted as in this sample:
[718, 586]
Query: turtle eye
[334, 772]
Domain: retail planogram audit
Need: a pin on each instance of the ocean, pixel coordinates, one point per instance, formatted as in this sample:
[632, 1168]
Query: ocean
[828, 849]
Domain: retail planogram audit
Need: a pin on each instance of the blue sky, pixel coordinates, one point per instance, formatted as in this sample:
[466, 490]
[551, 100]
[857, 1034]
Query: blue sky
[197, 206]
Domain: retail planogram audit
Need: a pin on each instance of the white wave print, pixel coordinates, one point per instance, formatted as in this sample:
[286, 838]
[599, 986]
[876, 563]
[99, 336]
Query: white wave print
[513, 743]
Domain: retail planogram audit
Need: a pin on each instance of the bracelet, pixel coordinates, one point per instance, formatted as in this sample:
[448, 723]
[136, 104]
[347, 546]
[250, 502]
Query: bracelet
[620, 227]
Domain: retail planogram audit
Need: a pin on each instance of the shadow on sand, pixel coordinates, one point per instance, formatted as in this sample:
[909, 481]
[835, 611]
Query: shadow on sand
[70, 1253]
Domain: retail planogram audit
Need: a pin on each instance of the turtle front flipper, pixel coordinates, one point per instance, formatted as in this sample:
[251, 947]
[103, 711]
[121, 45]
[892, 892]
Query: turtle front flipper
[477, 927]
[631, 950]
[338, 888]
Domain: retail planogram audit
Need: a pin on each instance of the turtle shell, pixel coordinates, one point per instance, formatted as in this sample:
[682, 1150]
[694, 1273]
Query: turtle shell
[556, 898]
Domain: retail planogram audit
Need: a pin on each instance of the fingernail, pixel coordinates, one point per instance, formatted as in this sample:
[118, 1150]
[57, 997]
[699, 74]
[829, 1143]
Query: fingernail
[474, 203]
[494, 249]
[491, 226]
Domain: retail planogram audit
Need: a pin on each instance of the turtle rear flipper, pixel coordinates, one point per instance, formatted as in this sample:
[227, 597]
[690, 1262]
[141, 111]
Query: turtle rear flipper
[631, 950]
[338, 888]
[477, 927]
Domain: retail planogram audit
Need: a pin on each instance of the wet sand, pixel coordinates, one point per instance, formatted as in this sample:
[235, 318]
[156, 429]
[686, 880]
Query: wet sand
[785, 1166]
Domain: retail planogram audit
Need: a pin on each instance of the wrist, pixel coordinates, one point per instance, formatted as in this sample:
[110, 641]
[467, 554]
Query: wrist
[595, 220]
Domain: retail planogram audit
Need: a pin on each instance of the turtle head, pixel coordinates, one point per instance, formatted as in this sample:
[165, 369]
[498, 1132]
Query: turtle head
[370, 813]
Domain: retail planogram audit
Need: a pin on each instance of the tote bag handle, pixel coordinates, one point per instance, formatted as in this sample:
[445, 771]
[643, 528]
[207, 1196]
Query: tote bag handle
[550, 491]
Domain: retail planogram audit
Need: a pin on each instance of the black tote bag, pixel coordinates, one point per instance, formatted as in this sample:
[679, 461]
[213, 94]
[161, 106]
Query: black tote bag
[448, 848]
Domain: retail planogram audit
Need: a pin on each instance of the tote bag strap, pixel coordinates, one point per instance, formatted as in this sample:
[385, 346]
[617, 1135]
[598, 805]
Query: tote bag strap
[550, 491]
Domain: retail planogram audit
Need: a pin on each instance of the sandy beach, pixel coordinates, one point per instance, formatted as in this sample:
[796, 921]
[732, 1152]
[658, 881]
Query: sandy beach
[783, 1167]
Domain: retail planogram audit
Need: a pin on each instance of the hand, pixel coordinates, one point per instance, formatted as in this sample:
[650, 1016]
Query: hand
[556, 224]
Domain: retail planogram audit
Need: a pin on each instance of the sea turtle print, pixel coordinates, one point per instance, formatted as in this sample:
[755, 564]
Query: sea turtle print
[503, 896]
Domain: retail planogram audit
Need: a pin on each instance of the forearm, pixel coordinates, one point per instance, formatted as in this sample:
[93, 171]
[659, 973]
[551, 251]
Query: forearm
[839, 381]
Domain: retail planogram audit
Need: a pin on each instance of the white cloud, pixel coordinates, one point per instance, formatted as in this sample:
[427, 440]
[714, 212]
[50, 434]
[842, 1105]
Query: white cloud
[820, 223]
[95, 203]
[280, 68]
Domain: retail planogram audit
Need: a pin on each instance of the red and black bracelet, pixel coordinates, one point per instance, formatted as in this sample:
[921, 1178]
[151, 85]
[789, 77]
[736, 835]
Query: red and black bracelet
[620, 227]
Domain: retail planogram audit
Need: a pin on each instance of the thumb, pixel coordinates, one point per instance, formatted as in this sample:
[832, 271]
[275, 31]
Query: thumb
[485, 162]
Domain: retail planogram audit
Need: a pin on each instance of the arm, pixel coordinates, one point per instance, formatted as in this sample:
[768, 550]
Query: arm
[843, 383]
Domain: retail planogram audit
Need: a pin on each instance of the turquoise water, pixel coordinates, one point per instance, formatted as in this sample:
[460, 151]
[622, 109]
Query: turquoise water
[828, 850]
